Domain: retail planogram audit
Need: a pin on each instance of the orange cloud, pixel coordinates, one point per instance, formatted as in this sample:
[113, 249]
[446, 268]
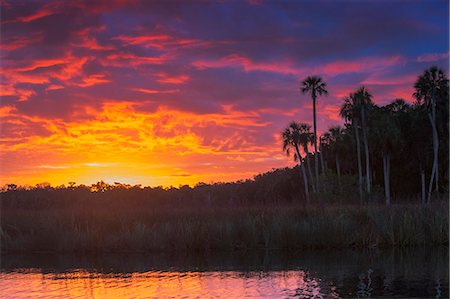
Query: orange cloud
[119, 141]
[69, 69]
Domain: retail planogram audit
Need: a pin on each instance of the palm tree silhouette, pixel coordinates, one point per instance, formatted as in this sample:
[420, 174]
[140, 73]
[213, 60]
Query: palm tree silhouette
[306, 138]
[364, 102]
[387, 137]
[317, 87]
[292, 137]
[349, 112]
[428, 86]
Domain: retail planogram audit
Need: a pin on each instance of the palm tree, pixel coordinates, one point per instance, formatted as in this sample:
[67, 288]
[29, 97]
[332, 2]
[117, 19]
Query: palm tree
[364, 101]
[418, 142]
[306, 138]
[317, 87]
[322, 154]
[291, 137]
[428, 86]
[387, 137]
[349, 112]
[334, 138]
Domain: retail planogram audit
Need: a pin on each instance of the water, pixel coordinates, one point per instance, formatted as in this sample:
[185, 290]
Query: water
[418, 273]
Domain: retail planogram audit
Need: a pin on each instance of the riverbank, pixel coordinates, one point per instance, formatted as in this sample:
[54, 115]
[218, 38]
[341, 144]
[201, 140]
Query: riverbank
[207, 229]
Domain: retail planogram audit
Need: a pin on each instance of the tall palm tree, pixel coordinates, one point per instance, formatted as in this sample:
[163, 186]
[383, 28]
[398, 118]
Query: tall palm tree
[291, 137]
[431, 83]
[350, 113]
[316, 87]
[364, 101]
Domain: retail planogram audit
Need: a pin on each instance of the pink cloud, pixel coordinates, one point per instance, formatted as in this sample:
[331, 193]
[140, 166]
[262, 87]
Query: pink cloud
[93, 80]
[21, 41]
[368, 64]
[154, 91]
[166, 78]
[236, 60]
[430, 57]
[383, 79]
[331, 112]
[87, 40]
[123, 59]
[47, 10]
[160, 41]
[54, 87]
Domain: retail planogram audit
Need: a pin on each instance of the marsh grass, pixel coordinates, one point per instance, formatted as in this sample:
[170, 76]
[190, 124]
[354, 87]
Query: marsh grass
[202, 229]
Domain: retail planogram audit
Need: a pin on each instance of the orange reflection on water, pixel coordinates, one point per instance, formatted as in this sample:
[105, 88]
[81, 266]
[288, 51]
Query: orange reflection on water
[160, 284]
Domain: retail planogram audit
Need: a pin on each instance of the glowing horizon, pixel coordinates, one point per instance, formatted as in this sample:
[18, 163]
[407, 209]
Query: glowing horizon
[156, 94]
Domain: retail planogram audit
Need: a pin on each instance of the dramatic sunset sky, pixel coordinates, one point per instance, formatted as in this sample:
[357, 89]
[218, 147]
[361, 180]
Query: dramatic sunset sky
[178, 92]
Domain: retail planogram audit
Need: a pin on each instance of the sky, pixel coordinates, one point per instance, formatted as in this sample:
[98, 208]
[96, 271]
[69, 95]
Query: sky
[181, 92]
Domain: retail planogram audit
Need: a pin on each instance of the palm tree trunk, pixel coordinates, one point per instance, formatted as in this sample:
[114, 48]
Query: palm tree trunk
[321, 156]
[338, 170]
[435, 158]
[435, 142]
[305, 182]
[389, 176]
[302, 169]
[309, 170]
[386, 170]
[316, 162]
[358, 151]
[422, 179]
[366, 148]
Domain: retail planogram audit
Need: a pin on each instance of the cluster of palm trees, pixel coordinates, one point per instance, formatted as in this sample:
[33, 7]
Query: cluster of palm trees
[408, 136]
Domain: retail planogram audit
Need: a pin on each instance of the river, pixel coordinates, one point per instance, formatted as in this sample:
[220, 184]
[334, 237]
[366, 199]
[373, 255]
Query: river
[417, 273]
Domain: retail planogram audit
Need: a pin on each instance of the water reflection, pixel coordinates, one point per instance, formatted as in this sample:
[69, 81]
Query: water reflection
[413, 273]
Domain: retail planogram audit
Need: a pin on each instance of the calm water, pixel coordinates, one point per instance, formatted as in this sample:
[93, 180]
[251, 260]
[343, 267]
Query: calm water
[418, 273]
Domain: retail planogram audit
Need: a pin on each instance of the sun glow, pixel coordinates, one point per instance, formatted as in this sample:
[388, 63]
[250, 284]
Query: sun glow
[119, 143]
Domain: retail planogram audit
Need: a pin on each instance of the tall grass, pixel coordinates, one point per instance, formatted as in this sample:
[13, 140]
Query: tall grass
[287, 227]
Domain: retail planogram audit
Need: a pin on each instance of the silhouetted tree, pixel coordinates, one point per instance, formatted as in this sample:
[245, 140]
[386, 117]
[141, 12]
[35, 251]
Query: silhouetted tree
[386, 138]
[364, 102]
[291, 137]
[316, 87]
[428, 87]
[350, 113]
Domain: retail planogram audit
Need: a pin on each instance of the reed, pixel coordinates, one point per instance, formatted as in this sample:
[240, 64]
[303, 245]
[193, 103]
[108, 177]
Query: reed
[200, 229]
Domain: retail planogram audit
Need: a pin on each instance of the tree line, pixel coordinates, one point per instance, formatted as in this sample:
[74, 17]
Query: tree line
[398, 150]
[413, 138]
